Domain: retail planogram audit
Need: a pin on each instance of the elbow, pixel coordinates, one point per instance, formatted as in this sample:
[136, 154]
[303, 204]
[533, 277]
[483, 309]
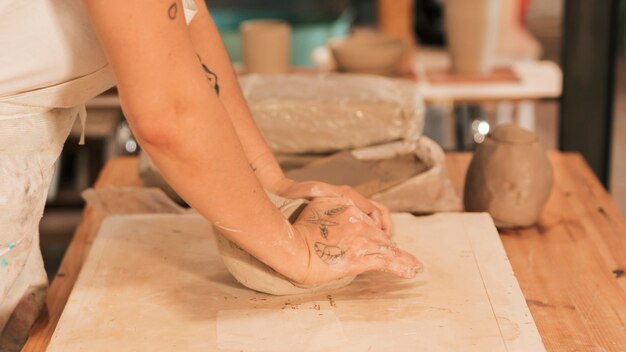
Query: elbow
[154, 125]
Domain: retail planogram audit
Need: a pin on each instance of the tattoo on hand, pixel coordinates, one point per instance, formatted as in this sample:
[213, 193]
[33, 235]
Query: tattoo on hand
[324, 231]
[329, 254]
[325, 219]
[336, 211]
[172, 11]
[211, 76]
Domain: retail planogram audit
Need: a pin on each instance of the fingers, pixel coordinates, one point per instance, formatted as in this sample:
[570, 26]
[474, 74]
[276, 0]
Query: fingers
[351, 213]
[311, 190]
[379, 236]
[376, 217]
[367, 206]
[390, 259]
[385, 218]
[316, 190]
[375, 251]
[378, 212]
[334, 200]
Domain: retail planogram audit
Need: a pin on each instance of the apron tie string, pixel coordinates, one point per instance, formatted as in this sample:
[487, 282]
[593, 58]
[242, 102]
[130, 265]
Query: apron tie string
[82, 115]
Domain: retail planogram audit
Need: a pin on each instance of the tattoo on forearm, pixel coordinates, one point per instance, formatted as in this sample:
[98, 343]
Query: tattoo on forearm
[329, 254]
[211, 76]
[172, 11]
[325, 219]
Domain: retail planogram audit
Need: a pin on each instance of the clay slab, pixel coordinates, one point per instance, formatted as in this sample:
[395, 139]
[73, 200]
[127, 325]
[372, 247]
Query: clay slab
[156, 283]
[365, 176]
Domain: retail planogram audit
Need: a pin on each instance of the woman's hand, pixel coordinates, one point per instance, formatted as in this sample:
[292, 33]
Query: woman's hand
[378, 213]
[343, 241]
[273, 179]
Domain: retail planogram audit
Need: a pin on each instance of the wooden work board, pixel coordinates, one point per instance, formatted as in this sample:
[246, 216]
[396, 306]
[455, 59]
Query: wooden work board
[157, 283]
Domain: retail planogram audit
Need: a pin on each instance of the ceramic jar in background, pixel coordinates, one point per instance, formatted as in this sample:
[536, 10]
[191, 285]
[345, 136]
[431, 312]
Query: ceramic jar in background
[266, 46]
[472, 32]
[510, 177]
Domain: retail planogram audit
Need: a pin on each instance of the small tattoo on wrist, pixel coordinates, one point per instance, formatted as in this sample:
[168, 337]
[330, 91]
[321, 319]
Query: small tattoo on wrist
[329, 254]
[172, 11]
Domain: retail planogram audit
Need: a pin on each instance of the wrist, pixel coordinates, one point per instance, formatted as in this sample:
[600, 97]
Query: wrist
[299, 270]
[268, 172]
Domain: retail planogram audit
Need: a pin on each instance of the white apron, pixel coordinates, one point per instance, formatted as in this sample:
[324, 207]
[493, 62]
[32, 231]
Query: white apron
[29, 148]
[43, 90]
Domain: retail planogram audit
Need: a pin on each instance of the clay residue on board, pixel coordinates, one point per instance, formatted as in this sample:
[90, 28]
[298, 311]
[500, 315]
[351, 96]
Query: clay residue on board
[366, 176]
[509, 329]
[331, 301]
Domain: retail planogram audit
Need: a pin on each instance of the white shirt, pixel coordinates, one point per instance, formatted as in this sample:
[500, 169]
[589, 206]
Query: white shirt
[50, 56]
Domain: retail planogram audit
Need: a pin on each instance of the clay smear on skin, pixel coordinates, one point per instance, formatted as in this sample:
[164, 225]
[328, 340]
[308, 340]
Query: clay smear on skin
[356, 218]
[289, 230]
[317, 192]
[222, 227]
[361, 252]
[362, 217]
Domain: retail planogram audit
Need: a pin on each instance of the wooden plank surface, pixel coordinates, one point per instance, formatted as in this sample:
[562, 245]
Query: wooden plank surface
[570, 267]
[156, 283]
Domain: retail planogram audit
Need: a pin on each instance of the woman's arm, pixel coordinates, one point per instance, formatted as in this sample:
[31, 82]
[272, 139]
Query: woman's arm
[178, 119]
[209, 46]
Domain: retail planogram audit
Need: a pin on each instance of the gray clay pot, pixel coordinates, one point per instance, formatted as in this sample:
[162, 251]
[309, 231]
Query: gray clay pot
[510, 177]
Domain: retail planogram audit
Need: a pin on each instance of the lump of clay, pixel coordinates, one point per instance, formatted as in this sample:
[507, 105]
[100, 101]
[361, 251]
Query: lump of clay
[510, 177]
[254, 274]
[403, 177]
[323, 113]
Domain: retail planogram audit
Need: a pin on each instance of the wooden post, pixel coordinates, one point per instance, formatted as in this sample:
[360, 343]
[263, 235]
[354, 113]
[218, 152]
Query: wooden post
[588, 61]
[395, 19]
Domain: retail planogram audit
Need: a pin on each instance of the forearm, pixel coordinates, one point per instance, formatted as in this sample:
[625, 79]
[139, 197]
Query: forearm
[178, 119]
[209, 170]
[208, 44]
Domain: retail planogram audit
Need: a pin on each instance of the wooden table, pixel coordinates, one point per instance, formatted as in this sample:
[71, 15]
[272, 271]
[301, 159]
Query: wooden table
[570, 267]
